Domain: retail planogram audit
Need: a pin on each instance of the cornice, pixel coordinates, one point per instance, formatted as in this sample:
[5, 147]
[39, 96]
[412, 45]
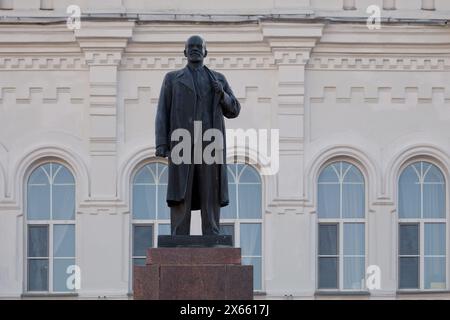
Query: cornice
[291, 34]
[250, 45]
[405, 35]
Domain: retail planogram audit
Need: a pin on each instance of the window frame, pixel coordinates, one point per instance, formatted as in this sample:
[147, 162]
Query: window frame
[236, 222]
[340, 221]
[421, 222]
[154, 223]
[140, 224]
[50, 224]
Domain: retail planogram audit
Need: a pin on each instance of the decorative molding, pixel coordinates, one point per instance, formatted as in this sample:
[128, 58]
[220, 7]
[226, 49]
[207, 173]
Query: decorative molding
[295, 57]
[284, 206]
[407, 96]
[143, 95]
[147, 62]
[107, 57]
[127, 166]
[2, 181]
[291, 145]
[60, 151]
[103, 45]
[357, 156]
[379, 63]
[40, 63]
[422, 150]
[102, 206]
[39, 94]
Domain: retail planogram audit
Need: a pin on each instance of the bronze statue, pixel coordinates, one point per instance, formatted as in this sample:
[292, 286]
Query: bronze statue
[194, 94]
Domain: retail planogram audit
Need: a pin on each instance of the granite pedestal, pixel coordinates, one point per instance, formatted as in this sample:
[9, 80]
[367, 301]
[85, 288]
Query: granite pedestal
[193, 273]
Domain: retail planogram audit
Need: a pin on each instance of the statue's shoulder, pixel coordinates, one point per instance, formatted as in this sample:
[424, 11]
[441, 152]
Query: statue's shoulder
[171, 75]
[217, 74]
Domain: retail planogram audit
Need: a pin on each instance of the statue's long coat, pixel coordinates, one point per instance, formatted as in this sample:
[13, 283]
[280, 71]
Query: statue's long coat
[176, 110]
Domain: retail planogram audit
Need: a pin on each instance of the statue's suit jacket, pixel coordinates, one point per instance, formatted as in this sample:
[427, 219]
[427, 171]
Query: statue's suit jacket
[176, 109]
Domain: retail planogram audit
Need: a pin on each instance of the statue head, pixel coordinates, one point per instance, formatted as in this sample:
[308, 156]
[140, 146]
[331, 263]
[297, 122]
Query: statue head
[195, 49]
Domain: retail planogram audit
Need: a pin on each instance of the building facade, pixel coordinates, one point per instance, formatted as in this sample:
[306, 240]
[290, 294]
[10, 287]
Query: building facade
[359, 205]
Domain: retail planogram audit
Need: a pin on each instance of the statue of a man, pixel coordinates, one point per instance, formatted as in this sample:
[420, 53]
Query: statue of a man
[194, 94]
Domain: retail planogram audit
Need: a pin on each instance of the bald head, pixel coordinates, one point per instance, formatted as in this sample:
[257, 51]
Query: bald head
[195, 49]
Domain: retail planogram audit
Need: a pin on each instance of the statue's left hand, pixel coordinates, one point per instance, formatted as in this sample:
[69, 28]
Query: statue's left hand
[218, 88]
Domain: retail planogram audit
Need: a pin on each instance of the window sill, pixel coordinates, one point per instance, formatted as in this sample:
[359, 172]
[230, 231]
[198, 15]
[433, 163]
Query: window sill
[417, 292]
[342, 293]
[48, 295]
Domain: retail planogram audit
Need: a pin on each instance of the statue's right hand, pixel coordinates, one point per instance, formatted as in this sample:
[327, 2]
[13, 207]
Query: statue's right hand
[162, 151]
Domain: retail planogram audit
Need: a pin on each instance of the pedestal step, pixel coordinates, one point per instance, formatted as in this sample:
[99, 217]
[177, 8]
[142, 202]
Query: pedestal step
[194, 256]
[195, 241]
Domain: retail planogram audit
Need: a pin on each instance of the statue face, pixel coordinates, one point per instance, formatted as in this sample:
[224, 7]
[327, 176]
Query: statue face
[195, 49]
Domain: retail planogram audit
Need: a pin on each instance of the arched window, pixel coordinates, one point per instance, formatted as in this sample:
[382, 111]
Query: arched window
[341, 230]
[50, 228]
[422, 227]
[150, 214]
[242, 218]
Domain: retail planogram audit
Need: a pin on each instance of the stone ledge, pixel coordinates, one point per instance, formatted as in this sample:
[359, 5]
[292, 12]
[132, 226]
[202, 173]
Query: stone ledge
[193, 256]
[195, 241]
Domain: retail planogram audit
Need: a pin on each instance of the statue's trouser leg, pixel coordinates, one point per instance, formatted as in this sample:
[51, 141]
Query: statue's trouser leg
[180, 214]
[180, 218]
[210, 206]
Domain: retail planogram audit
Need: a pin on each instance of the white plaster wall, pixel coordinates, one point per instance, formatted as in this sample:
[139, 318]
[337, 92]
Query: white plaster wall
[378, 107]
[11, 264]
[89, 98]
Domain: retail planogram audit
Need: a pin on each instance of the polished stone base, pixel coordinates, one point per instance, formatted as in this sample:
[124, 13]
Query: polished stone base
[195, 241]
[193, 274]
